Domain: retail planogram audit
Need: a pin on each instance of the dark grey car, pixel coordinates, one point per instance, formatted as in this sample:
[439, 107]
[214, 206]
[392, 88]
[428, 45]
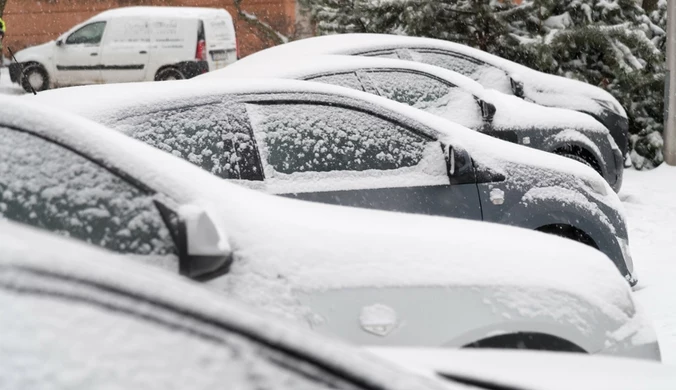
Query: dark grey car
[489, 70]
[335, 145]
[457, 98]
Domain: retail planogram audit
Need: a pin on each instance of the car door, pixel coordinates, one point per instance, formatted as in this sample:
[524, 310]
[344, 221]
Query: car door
[126, 50]
[48, 186]
[78, 57]
[331, 153]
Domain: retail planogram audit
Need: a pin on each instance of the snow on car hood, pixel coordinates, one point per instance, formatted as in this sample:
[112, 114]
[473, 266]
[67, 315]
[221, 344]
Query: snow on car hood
[512, 113]
[26, 249]
[282, 245]
[548, 89]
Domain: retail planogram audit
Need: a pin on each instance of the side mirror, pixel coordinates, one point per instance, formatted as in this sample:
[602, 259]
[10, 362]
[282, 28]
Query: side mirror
[517, 86]
[487, 111]
[204, 252]
[59, 42]
[460, 166]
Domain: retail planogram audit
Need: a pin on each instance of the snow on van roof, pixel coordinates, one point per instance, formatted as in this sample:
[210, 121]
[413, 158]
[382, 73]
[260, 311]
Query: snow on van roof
[515, 113]
[360, 43]
[283, 245]
[27, 249]
[172, 12]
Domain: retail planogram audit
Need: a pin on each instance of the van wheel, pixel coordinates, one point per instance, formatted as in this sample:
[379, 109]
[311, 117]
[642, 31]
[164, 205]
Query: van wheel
[169, 74]
[34, 75]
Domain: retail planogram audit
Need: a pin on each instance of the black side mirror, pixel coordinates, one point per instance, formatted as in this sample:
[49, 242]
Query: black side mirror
[517, 87]
[59, 42]
[203, 251]
[460, 166]
[487, 111]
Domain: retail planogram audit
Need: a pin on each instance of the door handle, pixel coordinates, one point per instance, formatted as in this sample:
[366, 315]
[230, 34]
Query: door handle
[143, 52]
[94, 54]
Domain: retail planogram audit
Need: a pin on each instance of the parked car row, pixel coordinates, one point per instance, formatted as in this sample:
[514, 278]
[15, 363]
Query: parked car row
[240, 179]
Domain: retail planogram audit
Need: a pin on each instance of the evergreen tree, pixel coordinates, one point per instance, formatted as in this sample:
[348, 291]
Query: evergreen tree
[612, 44]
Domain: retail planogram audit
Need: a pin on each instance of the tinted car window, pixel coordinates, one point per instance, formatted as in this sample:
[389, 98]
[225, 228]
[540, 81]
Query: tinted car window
[134, 342]
[321, 138]
[347, 80]
[91, 34]
[48, 186]
[215, 137]
[429, 94]
[487, 75]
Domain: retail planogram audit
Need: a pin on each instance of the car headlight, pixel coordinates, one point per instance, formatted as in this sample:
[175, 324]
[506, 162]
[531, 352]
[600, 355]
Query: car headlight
[608, 105]
[597, 186]
[626, 254]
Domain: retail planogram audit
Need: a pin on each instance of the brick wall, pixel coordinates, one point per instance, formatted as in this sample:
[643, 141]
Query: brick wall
[31, 22]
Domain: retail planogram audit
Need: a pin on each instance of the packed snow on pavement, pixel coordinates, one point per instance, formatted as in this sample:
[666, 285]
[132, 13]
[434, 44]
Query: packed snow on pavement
[6, 85]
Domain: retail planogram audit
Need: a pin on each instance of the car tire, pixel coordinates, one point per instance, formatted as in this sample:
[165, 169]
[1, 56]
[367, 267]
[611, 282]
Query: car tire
[167, 74]
[35, 76]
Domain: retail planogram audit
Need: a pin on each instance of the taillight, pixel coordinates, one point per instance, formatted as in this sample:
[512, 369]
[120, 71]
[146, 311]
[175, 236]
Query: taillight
[201, 52]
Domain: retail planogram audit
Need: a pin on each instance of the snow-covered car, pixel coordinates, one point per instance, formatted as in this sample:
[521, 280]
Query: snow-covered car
[369, 277]
[330, 144]
[77, 317]
[489, 70]
[457, 98]
[511, 369]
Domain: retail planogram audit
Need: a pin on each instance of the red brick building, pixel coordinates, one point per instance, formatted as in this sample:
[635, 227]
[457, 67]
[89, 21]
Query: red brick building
[31, 22]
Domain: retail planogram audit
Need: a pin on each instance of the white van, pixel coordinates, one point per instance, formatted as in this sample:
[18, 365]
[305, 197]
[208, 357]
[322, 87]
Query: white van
[131, 44]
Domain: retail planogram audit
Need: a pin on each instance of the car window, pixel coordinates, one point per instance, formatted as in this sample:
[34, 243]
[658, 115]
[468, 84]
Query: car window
[48, 186]
[322, 138]
[135, 342]
[485, 74]
[347, 80]
[214, 137]
[91, 34]
[428, 94]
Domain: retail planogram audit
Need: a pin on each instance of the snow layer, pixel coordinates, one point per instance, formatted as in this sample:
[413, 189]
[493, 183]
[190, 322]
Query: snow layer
[545, 89]
[45, 342]
[512, 112]
[535, 370]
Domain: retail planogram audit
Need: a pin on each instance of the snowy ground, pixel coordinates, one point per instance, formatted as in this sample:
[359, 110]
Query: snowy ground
[6, 86]
[650, 202]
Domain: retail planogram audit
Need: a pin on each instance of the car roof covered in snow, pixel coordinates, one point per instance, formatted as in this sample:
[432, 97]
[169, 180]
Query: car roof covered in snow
[162, 12]
[360, 43]
[516, 112]
[27, 252]
[110, 103]
[284, 245]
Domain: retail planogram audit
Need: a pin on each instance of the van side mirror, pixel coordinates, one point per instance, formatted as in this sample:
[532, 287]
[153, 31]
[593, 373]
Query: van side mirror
[460, 166]
[204, 252]
[487, 111]
[59, 42]
[517, 86]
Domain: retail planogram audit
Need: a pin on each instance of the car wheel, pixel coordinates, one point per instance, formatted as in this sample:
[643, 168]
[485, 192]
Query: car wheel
[35, 76]
[167, 74]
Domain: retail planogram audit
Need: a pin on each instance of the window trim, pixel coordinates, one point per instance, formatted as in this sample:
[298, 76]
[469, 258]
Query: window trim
[104, 22]
[76, 295]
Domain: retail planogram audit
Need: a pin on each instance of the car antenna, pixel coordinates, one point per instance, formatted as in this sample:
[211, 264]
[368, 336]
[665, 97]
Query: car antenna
[22, 75]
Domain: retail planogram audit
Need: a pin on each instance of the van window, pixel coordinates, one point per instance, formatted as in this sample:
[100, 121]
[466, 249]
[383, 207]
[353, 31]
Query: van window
[89, 34]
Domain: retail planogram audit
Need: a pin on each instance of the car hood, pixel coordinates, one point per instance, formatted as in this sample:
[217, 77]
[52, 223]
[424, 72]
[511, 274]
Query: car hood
[533, 370]
[27, 53]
